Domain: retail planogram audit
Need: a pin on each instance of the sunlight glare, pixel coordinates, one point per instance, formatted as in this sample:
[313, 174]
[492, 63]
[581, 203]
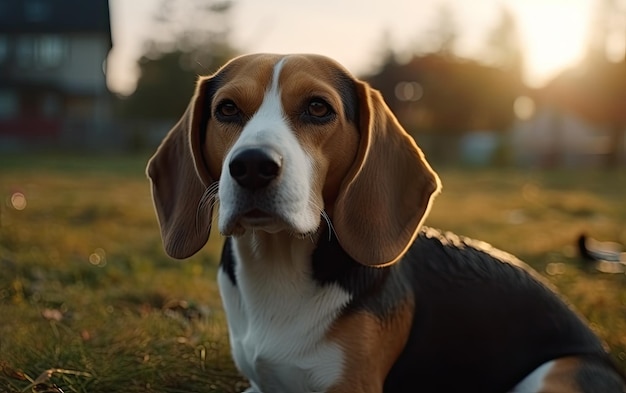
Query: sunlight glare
[555, 34]
[615, 47]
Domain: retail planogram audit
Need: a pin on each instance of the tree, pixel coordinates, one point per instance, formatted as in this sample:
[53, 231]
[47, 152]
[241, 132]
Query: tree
[504, 48]
[442, 35]
[608, 24]
[191, 38]
[383, 53]
[608, 27]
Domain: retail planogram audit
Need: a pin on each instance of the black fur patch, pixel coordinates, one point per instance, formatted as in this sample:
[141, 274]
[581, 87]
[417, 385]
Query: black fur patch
[349, 97]
[482, 320]
[227, 261]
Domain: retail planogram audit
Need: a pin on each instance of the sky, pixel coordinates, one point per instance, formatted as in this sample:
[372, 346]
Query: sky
[554, 34]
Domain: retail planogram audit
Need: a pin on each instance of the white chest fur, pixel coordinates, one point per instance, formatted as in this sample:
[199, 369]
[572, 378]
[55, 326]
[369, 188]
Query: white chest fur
[278, 317]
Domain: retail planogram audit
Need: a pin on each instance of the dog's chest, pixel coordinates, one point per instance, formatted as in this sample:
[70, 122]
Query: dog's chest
[278, 320]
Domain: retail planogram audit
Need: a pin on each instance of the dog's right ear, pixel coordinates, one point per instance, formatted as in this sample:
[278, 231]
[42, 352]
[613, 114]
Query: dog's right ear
[180, 178]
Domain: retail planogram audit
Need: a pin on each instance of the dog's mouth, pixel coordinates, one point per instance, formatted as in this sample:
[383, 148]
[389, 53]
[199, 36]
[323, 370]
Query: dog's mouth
[257, 215]
[261, 220]
[256, 219]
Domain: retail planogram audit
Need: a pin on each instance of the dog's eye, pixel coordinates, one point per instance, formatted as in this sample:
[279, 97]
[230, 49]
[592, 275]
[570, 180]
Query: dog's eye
[318, 111]
[227, 110]
[318, 108]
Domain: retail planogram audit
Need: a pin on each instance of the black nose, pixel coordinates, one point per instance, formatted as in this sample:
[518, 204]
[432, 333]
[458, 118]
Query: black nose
[255, 168]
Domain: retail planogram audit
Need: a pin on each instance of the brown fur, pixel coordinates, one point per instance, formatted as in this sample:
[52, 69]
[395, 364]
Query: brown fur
[390, 173]
[179, 177]
[371, 346]
[562, 376]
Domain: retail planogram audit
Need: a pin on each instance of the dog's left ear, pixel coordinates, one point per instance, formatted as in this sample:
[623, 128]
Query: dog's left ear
[179, 179]
[387, 193]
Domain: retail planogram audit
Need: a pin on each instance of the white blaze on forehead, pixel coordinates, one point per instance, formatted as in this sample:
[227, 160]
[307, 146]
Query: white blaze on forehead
[269, 121]
[278, 67]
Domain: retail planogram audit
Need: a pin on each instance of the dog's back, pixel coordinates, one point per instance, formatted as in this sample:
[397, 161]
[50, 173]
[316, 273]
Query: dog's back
[484, 319]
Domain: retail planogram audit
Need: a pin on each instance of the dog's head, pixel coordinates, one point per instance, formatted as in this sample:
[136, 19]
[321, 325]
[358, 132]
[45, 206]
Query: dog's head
[281, 142]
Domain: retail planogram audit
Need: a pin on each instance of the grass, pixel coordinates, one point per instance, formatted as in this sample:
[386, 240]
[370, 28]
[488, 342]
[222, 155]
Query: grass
[89, 302]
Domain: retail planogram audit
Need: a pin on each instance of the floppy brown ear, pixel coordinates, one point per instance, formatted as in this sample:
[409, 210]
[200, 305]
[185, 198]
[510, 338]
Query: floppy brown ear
[179, 179]
[387, 193]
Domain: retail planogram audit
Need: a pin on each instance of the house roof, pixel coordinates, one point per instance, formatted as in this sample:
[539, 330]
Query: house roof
[54, 16]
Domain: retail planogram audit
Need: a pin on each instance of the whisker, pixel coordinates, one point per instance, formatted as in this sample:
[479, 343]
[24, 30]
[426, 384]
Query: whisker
[209, 193]
[208, 199]
[326, 217]
[331, 228]
[214, 202]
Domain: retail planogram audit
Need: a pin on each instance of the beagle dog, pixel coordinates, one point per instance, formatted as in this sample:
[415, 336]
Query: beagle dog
[328, 279]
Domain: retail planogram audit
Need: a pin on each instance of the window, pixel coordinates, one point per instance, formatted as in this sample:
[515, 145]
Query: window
[4, 48]
[44, 51]
[9, 104]
[25, 51]
[50, 105]
[49, 51]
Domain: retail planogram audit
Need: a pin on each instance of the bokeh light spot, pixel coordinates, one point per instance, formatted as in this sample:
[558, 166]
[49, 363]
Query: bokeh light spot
[555, 268]
[98, 257]
[524, 107]
[18, 201]
[409, 91]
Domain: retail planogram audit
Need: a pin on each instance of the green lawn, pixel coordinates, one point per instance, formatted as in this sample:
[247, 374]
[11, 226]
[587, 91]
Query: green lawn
[89, 302]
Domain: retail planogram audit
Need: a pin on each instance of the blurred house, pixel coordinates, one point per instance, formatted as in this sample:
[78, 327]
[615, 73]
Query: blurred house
[52, 83]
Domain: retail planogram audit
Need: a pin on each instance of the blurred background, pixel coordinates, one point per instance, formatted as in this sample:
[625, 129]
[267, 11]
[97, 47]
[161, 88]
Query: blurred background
[507, 82]
[520, 105]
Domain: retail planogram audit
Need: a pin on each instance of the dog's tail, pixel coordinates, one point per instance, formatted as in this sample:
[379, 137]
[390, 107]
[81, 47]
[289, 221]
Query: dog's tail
[607, 257]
